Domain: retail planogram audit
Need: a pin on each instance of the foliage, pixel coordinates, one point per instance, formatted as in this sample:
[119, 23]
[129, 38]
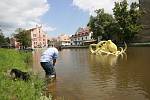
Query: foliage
[23, 37]
[128, 19]
[122, 27]
[113, 30]
[99, 24]
[17, 90]
[4, 41]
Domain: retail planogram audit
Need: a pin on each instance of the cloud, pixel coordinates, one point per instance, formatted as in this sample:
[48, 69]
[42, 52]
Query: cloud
[91, 5]
[48, 28]
[21, 13]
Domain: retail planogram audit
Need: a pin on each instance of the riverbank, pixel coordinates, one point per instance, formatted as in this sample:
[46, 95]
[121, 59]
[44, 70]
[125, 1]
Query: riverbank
[139, 44]
[18, 89]
[73, 46]
[129, 45]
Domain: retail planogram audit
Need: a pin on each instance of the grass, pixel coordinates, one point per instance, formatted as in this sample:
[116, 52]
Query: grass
[18, 90]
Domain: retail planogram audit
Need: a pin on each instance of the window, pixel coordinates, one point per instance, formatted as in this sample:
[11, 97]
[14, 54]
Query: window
[39, 30]
[34, 35]
[34, 39]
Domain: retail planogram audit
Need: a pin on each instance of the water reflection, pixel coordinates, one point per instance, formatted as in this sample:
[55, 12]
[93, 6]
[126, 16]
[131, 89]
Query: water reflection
[107, 60]
[81, 76]
[134, 73]
[50, 90]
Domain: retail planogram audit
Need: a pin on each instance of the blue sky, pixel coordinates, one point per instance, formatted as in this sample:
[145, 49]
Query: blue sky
[56, 16]
[65, 17]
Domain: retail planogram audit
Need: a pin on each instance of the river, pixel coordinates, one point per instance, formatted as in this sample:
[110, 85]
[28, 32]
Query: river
[83, 76]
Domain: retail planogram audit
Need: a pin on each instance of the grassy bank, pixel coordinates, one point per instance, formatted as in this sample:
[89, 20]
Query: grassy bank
[18, 90]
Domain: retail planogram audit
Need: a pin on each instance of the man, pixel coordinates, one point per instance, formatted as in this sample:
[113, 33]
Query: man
[48, 60]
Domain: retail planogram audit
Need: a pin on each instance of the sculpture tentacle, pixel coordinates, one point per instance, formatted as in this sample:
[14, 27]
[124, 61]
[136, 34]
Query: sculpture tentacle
[107, 48]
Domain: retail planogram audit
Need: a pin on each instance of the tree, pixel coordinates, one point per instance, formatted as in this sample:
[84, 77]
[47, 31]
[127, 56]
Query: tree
[2, 39]
[4, 42]
[128, 19]
[113, 32]
[100, 23]
[23, 37]
[7, 40]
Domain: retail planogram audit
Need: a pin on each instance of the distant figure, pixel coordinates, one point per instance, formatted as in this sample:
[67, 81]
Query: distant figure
[48, 60]
[59, 48]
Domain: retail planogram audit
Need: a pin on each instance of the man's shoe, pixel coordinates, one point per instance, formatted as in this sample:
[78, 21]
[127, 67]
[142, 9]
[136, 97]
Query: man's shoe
[52, 76]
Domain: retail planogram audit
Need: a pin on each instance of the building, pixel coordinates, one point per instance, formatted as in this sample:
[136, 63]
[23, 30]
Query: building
[14, 43]
[38, 37]
[63, 40]
[52, 41]
[145, 20]
[83, 36]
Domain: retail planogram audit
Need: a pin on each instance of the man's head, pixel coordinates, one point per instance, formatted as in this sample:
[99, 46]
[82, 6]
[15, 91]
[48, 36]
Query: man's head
[50, 45]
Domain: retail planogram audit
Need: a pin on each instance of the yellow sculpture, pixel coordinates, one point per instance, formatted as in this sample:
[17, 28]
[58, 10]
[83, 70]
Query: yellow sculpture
[107, 48]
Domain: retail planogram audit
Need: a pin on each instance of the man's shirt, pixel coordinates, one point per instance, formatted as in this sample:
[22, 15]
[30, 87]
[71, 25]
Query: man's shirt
[49, 55]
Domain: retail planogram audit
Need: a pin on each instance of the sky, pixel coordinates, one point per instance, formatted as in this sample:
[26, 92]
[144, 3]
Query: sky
[56, 16]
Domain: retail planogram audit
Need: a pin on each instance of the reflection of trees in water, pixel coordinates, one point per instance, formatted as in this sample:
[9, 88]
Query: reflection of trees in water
[107, 60]
[129, 77]
[50, 90]
[134, 73]
[73, 57]
[104, 66]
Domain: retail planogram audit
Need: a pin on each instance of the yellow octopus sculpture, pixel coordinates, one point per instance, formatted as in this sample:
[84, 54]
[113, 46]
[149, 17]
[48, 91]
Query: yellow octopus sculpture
[107, 48]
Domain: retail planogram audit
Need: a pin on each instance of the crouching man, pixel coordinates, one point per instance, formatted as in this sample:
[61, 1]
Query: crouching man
[48, 60]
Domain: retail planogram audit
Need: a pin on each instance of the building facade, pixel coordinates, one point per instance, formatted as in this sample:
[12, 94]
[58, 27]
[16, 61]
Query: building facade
[14, 43]
[38, 37]
[145, 20]
[83, 36]
[52, 41]
[63, 40]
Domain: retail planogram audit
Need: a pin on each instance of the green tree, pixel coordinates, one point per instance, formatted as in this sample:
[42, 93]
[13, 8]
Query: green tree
[113, 32]
[7, 40]
[128, 19]
[4, 41]
[99, 24]
[2, 38]
[23, 36]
